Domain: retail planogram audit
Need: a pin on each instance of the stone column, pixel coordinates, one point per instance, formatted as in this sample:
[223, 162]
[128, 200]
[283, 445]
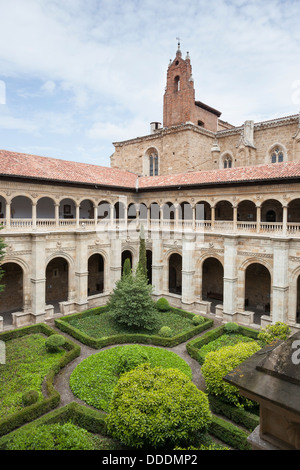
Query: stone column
[234, 218]
[157, 262]
[212, 218]
[38, 276]
[280, 287]
[230, 278]
[33, 214]
[8, 214]
[188, 269]
[81, 272]
[57, 215]
[284, 219]
[77, 214]
[115, 259]
[258, 218]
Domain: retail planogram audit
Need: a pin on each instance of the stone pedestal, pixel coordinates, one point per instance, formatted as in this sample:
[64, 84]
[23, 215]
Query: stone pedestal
[271, 377]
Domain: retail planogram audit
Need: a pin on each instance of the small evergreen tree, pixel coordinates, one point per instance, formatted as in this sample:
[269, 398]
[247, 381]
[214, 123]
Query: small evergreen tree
[2, 253]
[142, 264]
[126, 267]
[131, 303]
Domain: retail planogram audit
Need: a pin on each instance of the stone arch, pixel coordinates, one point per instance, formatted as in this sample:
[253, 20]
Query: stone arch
[21, 207]
[223, 210]
[246, 211]
[154, 210]
[86, 209]
[226, 160]
[151, 162]
[169, 211]
[67, 208]
[96, 274]
[127, 253]
[185, 211]
[175, 273]
[257, 288]
[12, 299]
[294, 210]
[57, 273]
[2, 207]
[271, 211]
[212, 275]
[202, 210]
[277, 153]
[45, 208]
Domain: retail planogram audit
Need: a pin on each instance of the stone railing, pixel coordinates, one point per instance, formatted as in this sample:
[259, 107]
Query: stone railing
[203, 226]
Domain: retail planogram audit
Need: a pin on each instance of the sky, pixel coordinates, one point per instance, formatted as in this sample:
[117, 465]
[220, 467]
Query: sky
[78, 75]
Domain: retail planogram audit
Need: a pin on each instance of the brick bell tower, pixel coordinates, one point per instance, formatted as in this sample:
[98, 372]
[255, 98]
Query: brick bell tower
[180, 106]
[179, 97]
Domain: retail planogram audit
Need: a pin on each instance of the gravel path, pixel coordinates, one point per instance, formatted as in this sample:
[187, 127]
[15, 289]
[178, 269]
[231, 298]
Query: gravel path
[61, 382]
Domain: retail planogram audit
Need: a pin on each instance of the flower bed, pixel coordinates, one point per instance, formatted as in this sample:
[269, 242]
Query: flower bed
[30, 377]
[95, 329]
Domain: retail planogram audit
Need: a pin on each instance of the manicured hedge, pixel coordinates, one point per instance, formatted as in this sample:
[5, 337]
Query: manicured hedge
[193, 347]
[229, 433]
[52, 400]
[240, 416]
[87, 418]
[122, 338]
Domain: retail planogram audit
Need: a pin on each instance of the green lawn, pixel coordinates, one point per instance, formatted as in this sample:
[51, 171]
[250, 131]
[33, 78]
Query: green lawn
[27, 363]
[94, 379]
[103, 325]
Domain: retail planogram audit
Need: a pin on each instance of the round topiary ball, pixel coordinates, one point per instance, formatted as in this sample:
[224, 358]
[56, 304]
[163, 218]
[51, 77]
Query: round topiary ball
[231, 327]
[54, 343]
[198, 319]
[165, 331]
[30, 397]
[155, 407]
[162, 305]
[130, 357]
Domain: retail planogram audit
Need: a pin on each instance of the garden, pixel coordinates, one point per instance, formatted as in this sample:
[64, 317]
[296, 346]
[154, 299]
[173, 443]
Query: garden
[134, 391]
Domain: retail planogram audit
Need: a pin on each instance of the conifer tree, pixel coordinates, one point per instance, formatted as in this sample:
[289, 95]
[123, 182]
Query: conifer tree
[126, 267]
[142, 264]
[2, 253]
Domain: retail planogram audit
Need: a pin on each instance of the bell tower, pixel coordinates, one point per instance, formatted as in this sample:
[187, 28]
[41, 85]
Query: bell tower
[179, 97]
[180, 106]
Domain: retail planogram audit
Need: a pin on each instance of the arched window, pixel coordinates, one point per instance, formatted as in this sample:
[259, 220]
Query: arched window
[227, 161]
[153, 164]
[277, 154]
[177, 83]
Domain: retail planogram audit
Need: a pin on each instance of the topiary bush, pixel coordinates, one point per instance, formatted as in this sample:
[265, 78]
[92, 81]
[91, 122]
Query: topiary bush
[162, 305]
[54, 343]
[130, 357]
[231, 327]
[165, 331]
[219, 363]
[278, 330]
[198, 320]
[30, 397]
[52, 437]
[157, 408]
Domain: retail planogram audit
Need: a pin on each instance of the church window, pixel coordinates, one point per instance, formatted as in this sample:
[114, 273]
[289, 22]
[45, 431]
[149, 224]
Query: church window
[153, 164]
[227, 162]
[277, 155]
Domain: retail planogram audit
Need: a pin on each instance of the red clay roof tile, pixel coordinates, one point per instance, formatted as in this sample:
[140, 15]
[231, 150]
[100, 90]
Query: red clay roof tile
[51, 169]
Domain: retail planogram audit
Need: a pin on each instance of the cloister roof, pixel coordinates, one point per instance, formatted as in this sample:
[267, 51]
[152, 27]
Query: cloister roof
[22, 165]
[249, 174]
[52, 169]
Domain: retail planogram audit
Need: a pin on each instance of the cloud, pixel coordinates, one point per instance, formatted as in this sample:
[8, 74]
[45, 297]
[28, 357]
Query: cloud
[103, 63]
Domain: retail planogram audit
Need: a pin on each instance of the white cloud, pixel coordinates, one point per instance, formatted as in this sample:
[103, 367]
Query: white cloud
[111, 58]
[48, 87]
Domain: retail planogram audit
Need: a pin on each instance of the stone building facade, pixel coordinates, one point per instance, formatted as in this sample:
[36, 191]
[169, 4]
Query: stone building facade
[220, 207]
